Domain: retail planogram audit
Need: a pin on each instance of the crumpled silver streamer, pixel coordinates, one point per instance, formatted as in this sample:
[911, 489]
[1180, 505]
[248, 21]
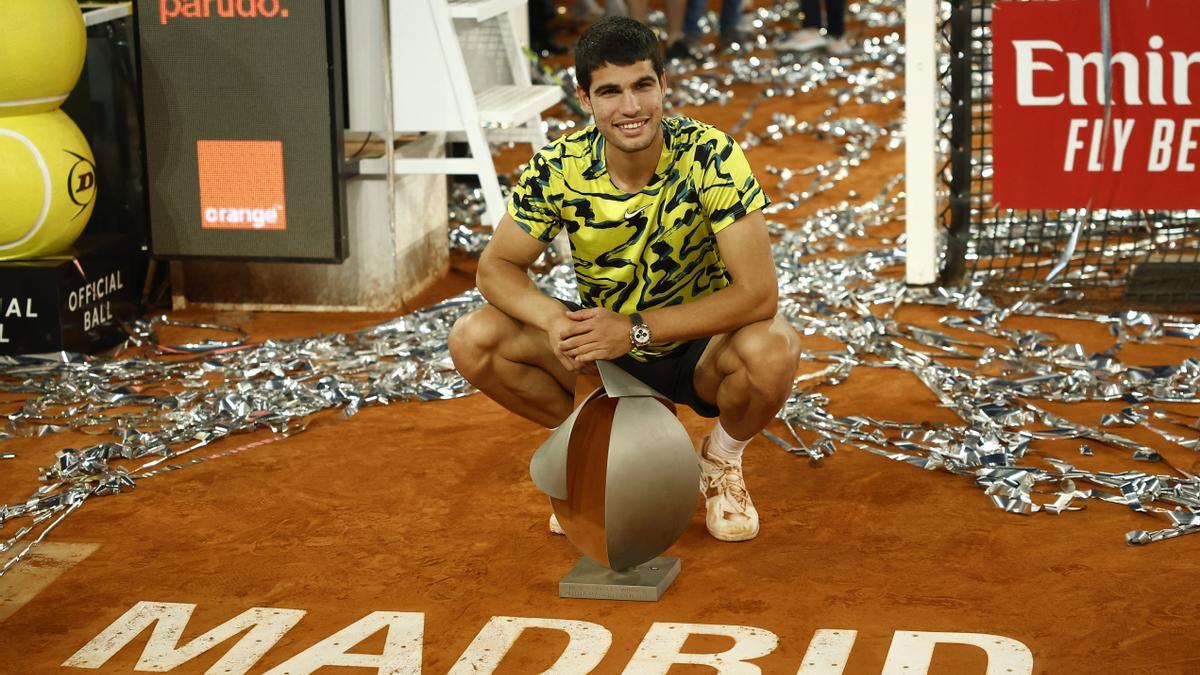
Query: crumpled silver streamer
[1000, 421]
[468, 233]
[153, 413]
[877, 13]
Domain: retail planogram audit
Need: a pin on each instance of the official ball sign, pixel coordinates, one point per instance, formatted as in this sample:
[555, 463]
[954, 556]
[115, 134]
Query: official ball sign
[74, 302]
[1052, 146]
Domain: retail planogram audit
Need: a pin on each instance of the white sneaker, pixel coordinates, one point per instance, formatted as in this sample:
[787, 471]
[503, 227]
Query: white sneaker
[731, 514]
[803, 40]
[746, 23]
[839, 47]
[555, 528]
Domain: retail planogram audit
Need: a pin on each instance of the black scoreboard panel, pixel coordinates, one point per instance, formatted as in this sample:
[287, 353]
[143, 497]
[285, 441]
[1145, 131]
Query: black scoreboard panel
[243, 104]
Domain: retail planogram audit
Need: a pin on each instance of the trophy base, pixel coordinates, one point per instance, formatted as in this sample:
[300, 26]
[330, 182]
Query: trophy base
[592, 581]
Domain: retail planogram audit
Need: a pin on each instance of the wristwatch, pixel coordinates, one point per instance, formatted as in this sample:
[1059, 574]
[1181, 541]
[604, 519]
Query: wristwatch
[639, 333]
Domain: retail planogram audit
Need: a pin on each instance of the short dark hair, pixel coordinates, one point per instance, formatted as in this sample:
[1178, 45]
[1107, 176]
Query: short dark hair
[615, 40]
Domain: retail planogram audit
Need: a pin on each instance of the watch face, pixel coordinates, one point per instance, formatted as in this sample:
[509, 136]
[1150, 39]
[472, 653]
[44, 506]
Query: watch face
[641, 335]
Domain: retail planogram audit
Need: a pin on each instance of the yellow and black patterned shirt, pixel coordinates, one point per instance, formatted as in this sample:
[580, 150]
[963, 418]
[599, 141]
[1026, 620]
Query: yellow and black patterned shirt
[654, 248]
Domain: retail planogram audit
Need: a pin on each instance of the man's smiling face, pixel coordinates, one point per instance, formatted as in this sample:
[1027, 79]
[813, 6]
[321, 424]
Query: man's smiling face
[627, 103]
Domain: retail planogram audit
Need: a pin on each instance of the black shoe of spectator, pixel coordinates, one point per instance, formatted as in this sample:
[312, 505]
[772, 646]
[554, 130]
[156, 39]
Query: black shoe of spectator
[735, 40]
[680, 51]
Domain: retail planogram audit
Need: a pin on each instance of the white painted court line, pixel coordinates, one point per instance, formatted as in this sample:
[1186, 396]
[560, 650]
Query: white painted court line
[43, 565]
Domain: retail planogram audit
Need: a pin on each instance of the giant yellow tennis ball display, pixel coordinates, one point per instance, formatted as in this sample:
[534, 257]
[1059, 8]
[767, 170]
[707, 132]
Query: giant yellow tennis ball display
[42, 47]
[47, 183]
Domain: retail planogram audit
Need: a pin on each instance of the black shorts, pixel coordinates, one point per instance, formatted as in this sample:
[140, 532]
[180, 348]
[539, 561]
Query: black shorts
[670, 375]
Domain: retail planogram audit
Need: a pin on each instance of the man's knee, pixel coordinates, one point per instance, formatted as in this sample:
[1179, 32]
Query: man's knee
[474, 336]
[770, 353]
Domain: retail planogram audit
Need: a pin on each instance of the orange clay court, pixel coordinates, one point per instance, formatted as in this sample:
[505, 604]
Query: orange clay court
[409, 537]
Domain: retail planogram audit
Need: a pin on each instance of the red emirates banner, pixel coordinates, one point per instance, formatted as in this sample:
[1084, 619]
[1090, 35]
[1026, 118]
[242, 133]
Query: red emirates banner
[1051, 146]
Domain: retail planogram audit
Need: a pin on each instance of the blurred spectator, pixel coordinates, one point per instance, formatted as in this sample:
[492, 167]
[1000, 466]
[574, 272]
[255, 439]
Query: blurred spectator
[677, 46]
[588, 11]
[727, 24]
[810, 34]
[541, 39]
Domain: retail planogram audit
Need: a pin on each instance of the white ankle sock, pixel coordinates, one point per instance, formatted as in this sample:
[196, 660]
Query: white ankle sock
[723, 446]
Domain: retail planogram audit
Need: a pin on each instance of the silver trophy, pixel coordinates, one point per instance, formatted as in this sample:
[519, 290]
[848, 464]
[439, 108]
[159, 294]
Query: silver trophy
[622, 477]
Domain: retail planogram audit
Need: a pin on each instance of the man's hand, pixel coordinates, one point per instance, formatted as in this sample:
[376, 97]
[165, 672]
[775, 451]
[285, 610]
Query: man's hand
[595, 333]
[561, 326]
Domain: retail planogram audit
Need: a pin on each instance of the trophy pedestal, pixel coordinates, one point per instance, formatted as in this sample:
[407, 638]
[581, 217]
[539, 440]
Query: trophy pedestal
[646, 582]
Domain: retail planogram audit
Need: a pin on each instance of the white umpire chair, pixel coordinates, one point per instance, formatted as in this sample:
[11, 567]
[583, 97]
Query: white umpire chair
[458, 68]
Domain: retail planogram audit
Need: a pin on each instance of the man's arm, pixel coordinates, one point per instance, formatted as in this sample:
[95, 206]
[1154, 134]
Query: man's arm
[753, 295]
[503, 280]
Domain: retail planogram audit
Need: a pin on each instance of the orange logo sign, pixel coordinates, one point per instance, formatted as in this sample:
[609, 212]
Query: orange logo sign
[241, 185]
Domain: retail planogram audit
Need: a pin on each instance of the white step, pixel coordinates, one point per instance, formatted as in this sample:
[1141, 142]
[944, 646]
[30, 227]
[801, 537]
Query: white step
[524, 134]
[481, 10]
[94, 15]
[512, 104]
